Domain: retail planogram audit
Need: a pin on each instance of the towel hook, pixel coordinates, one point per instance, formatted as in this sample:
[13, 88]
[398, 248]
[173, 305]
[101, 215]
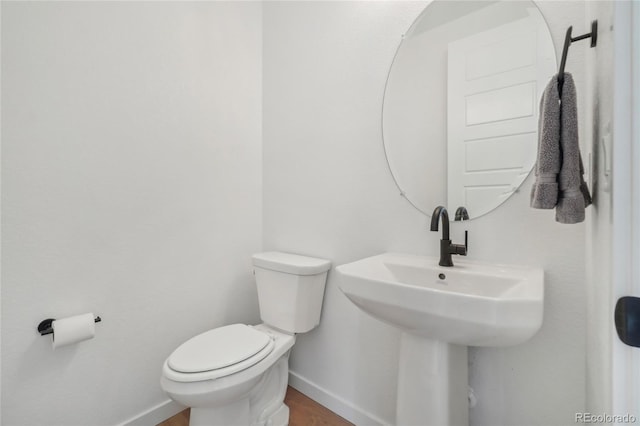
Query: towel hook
[565, 50]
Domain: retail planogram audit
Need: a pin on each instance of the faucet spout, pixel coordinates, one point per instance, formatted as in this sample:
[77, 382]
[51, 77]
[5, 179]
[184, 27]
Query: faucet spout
[440, 212]
[446, 247]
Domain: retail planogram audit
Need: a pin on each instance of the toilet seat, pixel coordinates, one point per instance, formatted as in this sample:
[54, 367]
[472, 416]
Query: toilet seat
[218, 353]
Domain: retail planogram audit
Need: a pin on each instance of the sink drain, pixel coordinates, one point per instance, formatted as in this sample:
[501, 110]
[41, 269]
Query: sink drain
[442, 276]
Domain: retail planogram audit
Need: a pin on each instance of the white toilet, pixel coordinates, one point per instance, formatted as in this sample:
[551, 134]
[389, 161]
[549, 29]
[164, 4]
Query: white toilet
[237, 374]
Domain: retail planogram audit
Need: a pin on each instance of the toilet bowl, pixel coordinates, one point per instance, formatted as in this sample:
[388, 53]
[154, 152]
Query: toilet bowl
[247, 392]
[237, 374]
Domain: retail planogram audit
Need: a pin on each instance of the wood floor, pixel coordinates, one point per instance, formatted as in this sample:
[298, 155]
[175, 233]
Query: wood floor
[303, 412]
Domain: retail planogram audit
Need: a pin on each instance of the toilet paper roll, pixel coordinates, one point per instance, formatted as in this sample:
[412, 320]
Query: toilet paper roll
[73, 329]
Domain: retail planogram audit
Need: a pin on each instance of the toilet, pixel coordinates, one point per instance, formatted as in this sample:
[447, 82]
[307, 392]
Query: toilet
[238, 374]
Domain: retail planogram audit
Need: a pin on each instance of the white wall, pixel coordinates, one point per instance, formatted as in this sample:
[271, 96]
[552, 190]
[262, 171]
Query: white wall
[328, 192]
[600, 302]
[131, 187]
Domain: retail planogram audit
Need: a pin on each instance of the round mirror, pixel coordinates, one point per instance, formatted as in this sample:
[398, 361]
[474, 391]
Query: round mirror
[460, 111]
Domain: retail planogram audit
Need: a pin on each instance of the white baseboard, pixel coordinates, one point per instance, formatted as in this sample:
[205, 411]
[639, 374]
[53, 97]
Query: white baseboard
[155, 415]
[333, 402]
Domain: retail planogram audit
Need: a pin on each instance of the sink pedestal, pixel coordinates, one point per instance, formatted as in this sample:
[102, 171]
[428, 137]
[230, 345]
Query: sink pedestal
[432, 383]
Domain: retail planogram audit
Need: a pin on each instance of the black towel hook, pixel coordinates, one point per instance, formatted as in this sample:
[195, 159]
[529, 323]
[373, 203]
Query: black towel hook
[565, 50]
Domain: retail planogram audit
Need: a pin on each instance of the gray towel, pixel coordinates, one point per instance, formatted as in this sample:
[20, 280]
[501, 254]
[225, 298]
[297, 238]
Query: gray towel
[559, 172]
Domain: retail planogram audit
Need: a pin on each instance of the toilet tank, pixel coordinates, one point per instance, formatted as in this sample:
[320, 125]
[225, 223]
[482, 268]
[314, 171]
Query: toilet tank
[290, 289]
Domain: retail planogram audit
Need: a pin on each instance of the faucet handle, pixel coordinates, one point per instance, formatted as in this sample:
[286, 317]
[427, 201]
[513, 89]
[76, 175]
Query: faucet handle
[466, 242]
[460, 249]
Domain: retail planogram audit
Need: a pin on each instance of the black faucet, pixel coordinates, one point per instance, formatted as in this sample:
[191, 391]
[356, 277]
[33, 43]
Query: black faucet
[446, 248]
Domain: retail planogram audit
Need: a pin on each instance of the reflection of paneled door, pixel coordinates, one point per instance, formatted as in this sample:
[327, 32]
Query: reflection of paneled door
[494, 78]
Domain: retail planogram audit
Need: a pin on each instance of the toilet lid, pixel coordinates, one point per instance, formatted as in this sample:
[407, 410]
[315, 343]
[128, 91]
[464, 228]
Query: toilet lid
[218, 348]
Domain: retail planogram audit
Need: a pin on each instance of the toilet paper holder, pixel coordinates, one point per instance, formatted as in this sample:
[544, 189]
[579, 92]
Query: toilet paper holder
[45, 326]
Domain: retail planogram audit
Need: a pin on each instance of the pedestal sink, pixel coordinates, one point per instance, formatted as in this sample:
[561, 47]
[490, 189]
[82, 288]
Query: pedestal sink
[441, 311]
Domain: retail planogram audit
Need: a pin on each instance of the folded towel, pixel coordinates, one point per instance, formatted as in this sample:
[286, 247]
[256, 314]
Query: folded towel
[559, 170]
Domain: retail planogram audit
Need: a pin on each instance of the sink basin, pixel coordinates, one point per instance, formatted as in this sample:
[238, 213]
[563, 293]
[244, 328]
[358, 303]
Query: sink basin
[470, 304]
